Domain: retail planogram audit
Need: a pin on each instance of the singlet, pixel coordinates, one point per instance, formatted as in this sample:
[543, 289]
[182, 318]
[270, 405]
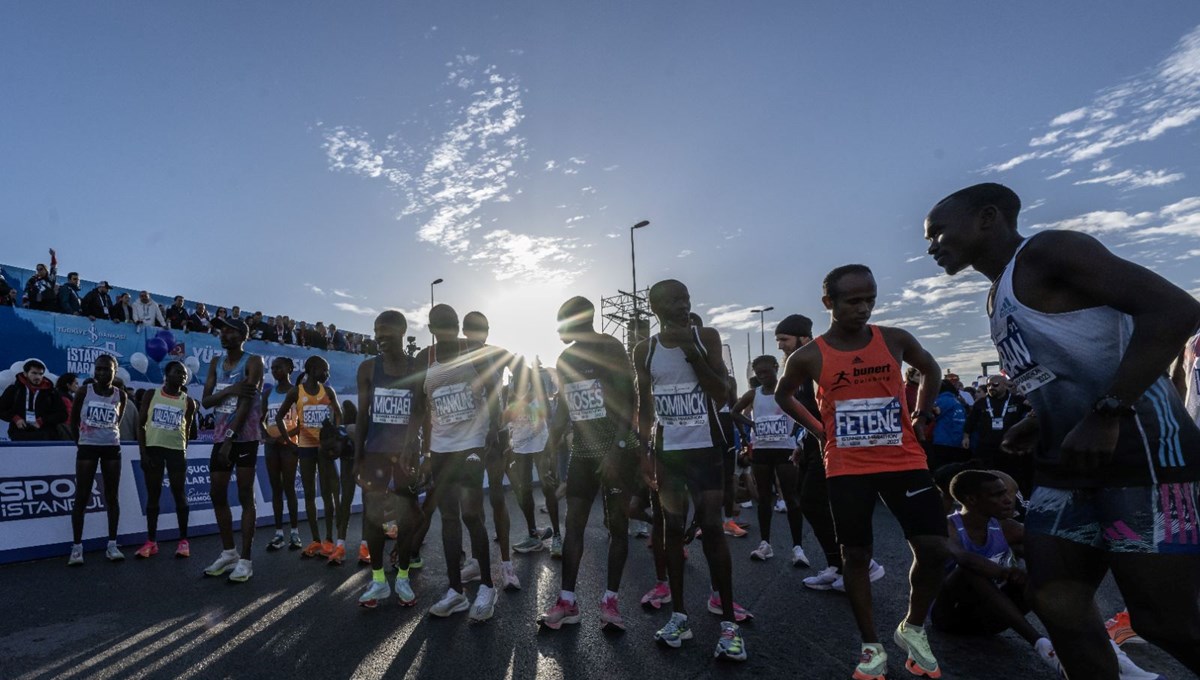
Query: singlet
[861, 396]
[311, 411]
[995, 548]
[224, 412]
[594, 374]
[274, 401]
[687, 417]
[1062, 364]
[167, 424]
[773, 429]
[390, 411]
[100, 418]
[527, 426]
[457, 401]
[1191, 367]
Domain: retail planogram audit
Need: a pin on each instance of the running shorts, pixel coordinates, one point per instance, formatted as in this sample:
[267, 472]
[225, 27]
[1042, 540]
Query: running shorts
[1154, 520]
[910, 495]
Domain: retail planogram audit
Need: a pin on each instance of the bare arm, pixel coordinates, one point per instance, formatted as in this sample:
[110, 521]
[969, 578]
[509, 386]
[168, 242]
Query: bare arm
[645, 397]
[254, 378]
[143, 417]
[365, 370]
[78, 408]
[335, 406]
[289, 401]
[909, 351]
[800, 366]
[744, 402]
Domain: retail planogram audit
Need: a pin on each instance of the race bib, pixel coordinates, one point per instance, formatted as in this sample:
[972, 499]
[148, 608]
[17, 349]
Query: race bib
[166, 417]
[1016, 359]
[585, 400]
[391, 406]
[453, 404]
[773, 430]
[997, 424]
[229, 406]
[861, 423]
[315, 415]
[681, 405]
[100, 414]
[272, 411]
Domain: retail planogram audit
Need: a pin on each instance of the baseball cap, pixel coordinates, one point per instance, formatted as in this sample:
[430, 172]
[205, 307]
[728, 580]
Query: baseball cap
[235, 324]
[105, 284]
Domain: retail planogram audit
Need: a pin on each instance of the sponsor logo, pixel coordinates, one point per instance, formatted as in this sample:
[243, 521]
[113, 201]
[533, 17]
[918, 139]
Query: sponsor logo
[37, 497]
[910, 494]
[82, 360]
[92, 334]
[197, 483]
[884, 369]
[857, 360]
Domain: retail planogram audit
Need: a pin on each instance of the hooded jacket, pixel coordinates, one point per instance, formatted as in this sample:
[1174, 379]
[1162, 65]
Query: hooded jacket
[47, 405]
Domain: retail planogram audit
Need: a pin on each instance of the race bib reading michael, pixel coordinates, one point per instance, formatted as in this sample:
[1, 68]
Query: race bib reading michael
[585, 400]
[315, 415]
[868, 422]
[682, 405]
[391, 406]
[100, 415]
[771, 432]
[453, 404]
[166, 417]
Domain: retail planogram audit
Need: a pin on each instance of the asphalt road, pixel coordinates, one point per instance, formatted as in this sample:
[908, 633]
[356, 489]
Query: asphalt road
[160, 618]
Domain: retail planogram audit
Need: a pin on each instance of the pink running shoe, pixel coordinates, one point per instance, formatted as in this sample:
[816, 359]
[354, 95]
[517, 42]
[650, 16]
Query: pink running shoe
[610, 616]
[657, 596]
[739, 612]
[183, 549]
[562, 612]
[148, 549]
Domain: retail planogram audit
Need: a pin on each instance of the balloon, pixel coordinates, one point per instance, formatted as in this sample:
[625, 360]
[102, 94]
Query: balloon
[193, 365]
[18, 366]
[139, 362]
[156, 347]
[123, 374]
[168, 337]
[7, 378]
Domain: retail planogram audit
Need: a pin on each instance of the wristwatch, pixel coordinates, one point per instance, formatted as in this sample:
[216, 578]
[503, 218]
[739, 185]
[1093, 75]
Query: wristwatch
[230, 434]
[1111, 407]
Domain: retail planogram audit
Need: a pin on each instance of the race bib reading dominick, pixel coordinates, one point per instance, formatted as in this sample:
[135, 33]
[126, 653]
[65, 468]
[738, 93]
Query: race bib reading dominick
[391, 406]
[773, 430]
[315, 415]
[229, 406]
[860, 423]
[453, 404]
[585, 400]
[98, 414]
[682, 405]
[166, 417]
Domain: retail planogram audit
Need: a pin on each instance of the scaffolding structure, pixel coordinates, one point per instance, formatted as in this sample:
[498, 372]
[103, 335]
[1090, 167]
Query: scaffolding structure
[627, 316]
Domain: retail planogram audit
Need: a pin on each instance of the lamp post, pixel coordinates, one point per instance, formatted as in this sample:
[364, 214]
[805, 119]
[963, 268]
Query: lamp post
[633, 264]
[431, 285]
[762, 333]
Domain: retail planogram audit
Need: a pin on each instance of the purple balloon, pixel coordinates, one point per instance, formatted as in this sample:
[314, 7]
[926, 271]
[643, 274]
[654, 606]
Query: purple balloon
[156, 348]
[167, 337]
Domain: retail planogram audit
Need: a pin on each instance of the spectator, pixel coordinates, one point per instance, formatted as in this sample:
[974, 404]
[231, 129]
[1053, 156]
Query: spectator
[951, 412]
[97, 304]
[122, 312]
[199, 321]
[130, 417]
[369, 346]
[270, 332]
[67, 385]
[146, 311]
[280, 331]
[302, 334]
[317, 339]
[963, 394]
[235, 313]
[68, 295]
[31, 405]
[41, 291]
[258, 328]
[7, 293]
[177, 315]
[339, 339]
[989, 420]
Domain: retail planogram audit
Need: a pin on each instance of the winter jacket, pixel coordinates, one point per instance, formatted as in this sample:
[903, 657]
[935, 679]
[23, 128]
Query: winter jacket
[47, 406]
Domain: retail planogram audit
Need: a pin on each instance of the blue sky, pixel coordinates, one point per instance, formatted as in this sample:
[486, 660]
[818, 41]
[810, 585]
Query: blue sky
[330, 161]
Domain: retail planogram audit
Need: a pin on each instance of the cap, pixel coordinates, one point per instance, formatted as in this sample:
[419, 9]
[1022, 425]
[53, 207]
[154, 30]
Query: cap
[795, 324]
[105, 284]
[235, 324]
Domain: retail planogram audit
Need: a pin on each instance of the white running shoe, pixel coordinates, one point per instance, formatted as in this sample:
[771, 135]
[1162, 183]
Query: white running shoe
[227, 560]
[470, 570]
[376, 592]
[1045, 651]
[485, 604]
[824, 579]
[113, 554]
[799, 559]
[780, 506]
[242, 572]
[876, 572]
[508, 578]
[763, 552]
[453, 603]
[76, 558]
[1130, 670]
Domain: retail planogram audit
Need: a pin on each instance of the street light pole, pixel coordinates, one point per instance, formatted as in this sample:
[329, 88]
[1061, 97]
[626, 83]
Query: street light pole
[762, 331]
[431, 285]
[633, 264]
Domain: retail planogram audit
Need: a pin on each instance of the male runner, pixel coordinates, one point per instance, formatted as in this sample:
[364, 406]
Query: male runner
[871, 451]
[681, 381]
[232, 389]
[596, 405]
[1087, 338]
[454, 386]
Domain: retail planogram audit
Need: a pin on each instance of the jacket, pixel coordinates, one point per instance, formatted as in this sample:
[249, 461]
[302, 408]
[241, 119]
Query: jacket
[148, 313]
[96, 304]
[68, 299]
[48, 407]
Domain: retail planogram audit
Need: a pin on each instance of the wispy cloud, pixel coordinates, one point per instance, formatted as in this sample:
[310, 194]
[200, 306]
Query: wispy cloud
[529, 258]
[1100, 222]
[684, 253]
[1178, 219]
[356, 309]
[731, 318]
[1130, 179]
[342, 294]
[314, 289]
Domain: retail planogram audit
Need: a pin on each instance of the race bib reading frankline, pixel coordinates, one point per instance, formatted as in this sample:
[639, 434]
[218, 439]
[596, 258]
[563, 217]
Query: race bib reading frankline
[229, 406]
[391, 406]
[99, 414]
[585, 400]
[773, 430]
[453, 404]
[315, 415]
[166, 417]
[681, 405]
[868, 422]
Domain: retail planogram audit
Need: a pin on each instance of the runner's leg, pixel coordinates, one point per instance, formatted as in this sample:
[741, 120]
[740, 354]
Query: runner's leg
[471, 497]
[496, 465]
[245, 484]
[716, 548]
[1162, 592]
[152, 467]
[329, 484]
[346, 497]
[85, 477]
[177, 477]
[1063, 578]
[219, 493]
[288, 462]
[814, 504]
[549, 491]
[308, 478]
[521, 476]
[763, 476]
[789, 487]
[272, 456]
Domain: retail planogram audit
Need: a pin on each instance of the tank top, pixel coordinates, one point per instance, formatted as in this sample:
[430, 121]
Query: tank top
[527, 426]
[687, 417]
[311, 411]
[100, 418]
[458, 403]
[861, 397]
[167, 424]
[773, 429]
[1063, 363]
[391, 409]
[1191, 368]
[224, 412]
[995, 548]
[274, 402]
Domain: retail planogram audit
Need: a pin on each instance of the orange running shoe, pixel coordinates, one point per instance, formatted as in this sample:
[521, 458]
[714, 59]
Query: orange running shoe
[364, 555]
[312, 550]
[327, 548]
[338, 556]
[732, 529]
[1120, 631]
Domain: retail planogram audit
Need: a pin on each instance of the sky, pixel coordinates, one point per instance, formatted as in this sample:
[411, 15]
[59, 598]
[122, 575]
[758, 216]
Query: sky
[330, 161]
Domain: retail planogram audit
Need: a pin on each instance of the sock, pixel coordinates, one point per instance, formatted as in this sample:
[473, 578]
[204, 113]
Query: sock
[77, 545]
[112, 543]
[378, 576]
[567, 596]
[295, 531]
[400, 573]
[662, 582]
[609, 595]
[341, 543]
[506, 565]
[279, 533]
[362, 542]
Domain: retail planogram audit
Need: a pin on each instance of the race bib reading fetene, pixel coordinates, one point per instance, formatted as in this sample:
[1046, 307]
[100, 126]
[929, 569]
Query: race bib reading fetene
[875, 421]
[391, 406]
[681, 405]
[585, 400]
[453, 404]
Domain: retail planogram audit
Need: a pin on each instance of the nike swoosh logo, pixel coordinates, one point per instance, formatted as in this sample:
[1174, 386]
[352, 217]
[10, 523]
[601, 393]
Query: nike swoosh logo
[910, 494]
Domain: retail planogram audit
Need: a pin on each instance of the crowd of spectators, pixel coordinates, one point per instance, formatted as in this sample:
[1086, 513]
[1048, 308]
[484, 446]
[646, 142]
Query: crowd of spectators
[44, 292]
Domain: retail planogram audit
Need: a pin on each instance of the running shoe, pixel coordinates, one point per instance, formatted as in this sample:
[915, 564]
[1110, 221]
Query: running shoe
[113, 554]
[763, 552]
[364, 555]
[76, 558]
[452, 603]
[183, 549]
[733, 529]
[148, 549]
[312, 550]
[799, 559]
[485, 604]
[824, 579]
[544, 533]
[375, 592]
[780, 506]
[642, 530]
[1120, 631]
[872, 663]
[404, 592]
[730, 645]
[508, 577]
[562, 612]
[391, 530]
[227, 560]
[747, 504]
[294, 542]
[470, 571]
[913, 640]
[326, 549]
[415, 562]
[876, 572]
[740, 613]
[556, 547]
[1045, 651]
[277, 542]
[610, 615]
[675, 632]
[1130, 670]
[242, 572]
[529, 544]
[337, 557]
[657, 596]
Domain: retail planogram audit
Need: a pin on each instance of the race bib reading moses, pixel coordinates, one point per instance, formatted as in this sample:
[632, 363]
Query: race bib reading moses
[391, 406]
[585, 400]
[166, 417]
[682, 405]
[868, 422]
[100, 415]
[775, 430]
[453, 404]
[315, 415]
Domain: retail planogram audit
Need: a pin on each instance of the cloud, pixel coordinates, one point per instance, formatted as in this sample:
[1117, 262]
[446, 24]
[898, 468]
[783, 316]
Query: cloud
[610, 168]
[550, 165]
[1012, 162]
[732, 317]
[1061, 173]
[1135, 180]
[342, 294]
[314, 289]
[936, 290]
[1100, 222]
[684, 253]
[529, 258]
[1069, 117]
[577, 161]
[356, 309]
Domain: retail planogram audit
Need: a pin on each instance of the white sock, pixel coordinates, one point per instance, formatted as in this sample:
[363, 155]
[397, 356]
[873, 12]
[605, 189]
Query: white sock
[112, 544]
[295, 532]
[506, 565]
[279, 533]
[609, 595]
[341, 543]
[362, 542]
[567, 596]
[77, 546]
[1043, 646]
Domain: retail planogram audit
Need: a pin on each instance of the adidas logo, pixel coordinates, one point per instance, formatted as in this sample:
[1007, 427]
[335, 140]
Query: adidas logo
[857, 360]
[1006, 307]
[473, 458]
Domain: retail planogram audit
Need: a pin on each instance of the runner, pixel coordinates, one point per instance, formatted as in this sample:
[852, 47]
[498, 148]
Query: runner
[386, 475]
[871, 451]
[279, 450]
[96, 417]
[596, 406]
[527, 418]
[681, 380]
[315, 403]
[164, 427]
[1087, 338]
[456, 389]
[231, 389]
[771, 459]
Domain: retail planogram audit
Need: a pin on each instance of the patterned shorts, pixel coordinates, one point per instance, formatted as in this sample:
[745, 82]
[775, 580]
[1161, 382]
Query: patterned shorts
[1159, 519]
